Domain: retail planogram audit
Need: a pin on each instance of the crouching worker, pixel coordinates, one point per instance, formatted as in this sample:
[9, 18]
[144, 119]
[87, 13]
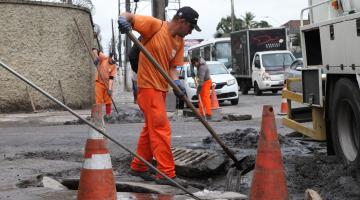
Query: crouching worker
[204, 86]
[104, 79]
[164, 41]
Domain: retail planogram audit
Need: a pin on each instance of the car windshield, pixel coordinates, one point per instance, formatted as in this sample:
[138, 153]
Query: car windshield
[223, 53]
[217, 68]
[277, 60]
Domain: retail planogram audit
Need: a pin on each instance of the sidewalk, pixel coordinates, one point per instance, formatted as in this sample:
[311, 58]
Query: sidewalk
[121, 98]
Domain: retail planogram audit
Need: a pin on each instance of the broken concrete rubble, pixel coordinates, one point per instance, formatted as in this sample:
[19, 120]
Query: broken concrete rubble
[237, 117]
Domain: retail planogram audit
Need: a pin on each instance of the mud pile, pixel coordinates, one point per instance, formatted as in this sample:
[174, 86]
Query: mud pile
[126, 115]
[135, 115]
[52, 155]
[246, 139]
[306, 163]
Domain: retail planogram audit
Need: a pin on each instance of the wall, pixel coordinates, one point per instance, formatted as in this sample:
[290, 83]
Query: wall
[41, 42]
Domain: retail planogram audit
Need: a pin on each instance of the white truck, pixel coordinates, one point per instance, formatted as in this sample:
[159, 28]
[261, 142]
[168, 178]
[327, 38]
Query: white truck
[259, 58]
[331, 46]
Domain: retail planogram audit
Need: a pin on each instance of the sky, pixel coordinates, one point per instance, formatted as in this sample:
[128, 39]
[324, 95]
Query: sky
[276, 12]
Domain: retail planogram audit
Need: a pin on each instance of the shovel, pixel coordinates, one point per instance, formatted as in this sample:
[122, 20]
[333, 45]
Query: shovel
[240, 166]
[93, 58]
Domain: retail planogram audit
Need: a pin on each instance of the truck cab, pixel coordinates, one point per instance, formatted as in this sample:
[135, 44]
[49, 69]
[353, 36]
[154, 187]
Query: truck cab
[259, 57]
[268, 70]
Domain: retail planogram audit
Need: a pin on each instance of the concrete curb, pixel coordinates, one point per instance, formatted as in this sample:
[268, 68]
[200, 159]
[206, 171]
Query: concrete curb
[46, 118]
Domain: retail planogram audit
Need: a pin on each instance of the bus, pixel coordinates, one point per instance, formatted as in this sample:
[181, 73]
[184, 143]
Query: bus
[216, 49]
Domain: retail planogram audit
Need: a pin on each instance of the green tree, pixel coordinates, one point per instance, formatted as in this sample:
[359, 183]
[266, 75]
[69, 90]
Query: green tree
[262, 24]
[251, 23]
[223, 29]
[248, 19]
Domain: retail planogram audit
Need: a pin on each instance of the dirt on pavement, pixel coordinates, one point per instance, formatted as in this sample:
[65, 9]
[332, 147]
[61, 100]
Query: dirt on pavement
[306, 163]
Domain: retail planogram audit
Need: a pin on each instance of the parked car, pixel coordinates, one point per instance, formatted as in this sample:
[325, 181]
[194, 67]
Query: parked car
[226, 85]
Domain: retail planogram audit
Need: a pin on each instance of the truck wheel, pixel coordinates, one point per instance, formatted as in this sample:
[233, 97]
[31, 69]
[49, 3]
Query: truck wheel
[243, 87]
[345, 121]
[257, 90]
[235, 101]
[244, 90]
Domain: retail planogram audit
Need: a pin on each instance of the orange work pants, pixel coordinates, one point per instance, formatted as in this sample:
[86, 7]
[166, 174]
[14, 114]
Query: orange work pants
[205, 98]
[101, 94]
[155, 137]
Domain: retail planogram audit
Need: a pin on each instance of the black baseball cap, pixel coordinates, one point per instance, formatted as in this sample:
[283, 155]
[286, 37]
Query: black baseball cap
[189, 15]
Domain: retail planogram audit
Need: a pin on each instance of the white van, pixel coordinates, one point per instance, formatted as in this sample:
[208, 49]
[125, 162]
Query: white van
[226, 85]
[268, 70]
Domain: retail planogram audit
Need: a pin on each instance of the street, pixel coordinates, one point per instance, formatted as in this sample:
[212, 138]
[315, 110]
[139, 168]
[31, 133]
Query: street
[56, 150]
[28, 151]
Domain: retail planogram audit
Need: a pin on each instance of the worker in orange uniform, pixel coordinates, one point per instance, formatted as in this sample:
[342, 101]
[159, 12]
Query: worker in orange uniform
[165, 41]
[204, 86]
[104, 79]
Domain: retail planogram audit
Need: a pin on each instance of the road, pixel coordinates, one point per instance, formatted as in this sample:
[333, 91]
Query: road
[30, 148]
[27, 151]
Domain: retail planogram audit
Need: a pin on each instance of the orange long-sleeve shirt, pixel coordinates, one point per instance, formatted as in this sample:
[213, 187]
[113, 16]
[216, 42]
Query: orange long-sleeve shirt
[167, 50]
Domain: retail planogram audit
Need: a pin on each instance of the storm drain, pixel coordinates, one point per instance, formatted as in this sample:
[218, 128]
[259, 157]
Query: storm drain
[184, 157]
[197, 163]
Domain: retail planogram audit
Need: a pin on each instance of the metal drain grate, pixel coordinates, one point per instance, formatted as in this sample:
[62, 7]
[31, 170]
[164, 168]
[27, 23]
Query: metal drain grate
[186, 157]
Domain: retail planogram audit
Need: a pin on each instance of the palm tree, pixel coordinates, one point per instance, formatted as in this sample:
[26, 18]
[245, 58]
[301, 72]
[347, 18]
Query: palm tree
[249, 20]
[223, 29]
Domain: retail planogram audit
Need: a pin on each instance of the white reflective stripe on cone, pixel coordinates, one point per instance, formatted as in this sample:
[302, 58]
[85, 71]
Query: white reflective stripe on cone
[94, 134]
[98, 161]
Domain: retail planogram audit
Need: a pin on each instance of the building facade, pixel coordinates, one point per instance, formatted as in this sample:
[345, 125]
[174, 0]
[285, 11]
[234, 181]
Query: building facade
[40, 41]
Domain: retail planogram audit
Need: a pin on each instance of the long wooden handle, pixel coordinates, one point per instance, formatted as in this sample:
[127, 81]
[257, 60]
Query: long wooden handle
[83, 39]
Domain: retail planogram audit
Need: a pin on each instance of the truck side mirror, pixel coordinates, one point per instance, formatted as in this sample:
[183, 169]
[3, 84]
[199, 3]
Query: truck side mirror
[257, 63]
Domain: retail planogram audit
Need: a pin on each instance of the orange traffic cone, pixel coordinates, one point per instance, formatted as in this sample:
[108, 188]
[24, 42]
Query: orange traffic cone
[269, 180]
[284, 105]
[214, 100]
[96, 179]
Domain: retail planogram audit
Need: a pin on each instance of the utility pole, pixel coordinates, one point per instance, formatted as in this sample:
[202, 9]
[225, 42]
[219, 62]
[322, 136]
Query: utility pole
[127, 48]
[232, 16]
[158, 8]
[158, 11]
[119, 43]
